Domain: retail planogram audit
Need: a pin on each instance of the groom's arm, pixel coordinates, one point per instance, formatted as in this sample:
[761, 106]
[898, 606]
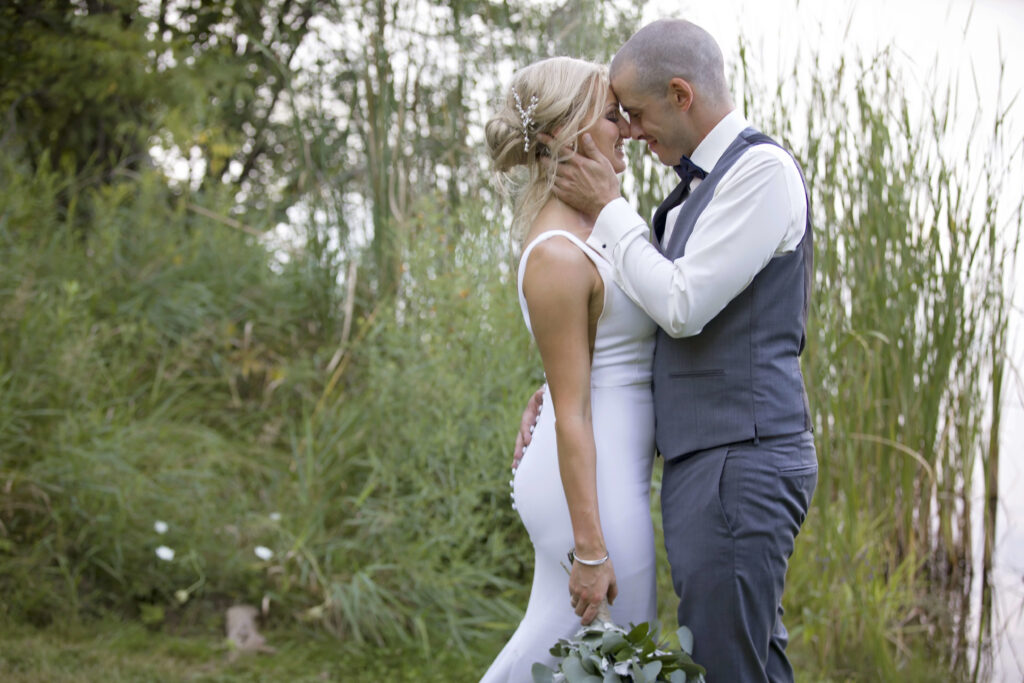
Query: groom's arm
[759, 210]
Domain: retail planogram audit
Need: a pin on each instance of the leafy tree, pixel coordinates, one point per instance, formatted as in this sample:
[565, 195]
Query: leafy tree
[75, 85]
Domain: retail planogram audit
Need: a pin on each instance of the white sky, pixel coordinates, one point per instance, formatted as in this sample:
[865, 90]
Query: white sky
[933, 40]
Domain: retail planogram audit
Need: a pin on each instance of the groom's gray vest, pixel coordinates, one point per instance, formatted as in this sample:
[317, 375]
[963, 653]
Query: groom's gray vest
[739, 379]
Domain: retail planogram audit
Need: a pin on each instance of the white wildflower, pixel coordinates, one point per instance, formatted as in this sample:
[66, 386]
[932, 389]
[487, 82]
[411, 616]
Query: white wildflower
[275, 516]
[160, 527]
[181, 595]
[263, 552]
[165, 553]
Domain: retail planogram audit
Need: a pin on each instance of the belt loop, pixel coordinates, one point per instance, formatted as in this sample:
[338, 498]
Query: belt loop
[757, 440]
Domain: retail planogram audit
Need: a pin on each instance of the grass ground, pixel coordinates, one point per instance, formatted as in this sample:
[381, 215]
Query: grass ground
[117, 652]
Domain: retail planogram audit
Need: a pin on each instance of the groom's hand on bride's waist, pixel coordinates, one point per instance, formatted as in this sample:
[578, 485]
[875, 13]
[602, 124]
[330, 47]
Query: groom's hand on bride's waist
[526, 425]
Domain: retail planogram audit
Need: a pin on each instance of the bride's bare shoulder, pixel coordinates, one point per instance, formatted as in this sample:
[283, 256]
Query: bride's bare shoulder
[557, 263]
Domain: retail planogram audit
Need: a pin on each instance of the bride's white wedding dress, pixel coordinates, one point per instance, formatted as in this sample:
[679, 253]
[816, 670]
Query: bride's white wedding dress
[623, 418]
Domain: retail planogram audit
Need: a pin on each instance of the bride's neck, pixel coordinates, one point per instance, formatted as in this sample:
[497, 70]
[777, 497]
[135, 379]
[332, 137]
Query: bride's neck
[558, 212]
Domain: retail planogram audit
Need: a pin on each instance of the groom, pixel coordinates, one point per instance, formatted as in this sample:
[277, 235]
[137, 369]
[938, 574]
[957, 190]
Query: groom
[728, 280]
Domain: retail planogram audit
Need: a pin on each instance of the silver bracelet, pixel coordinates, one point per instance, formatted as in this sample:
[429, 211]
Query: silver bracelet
[589, 563]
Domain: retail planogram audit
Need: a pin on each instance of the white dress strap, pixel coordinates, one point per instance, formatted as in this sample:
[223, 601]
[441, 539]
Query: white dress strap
[599, 263]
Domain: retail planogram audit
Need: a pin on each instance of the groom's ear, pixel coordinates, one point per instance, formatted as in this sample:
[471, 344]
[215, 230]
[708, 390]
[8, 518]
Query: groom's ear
[680, 93]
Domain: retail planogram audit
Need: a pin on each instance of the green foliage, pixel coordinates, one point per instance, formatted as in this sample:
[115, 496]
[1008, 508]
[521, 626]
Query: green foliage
[605, 652]
[402, 525]
[76, 90]
[913, 249]
[138, 377]
[182, 380]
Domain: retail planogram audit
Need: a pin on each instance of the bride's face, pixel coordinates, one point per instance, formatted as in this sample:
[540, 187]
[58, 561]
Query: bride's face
[610, 131]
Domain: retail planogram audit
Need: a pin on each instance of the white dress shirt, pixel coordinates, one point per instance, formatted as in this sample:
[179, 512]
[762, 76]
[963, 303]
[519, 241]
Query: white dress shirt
[758, 211]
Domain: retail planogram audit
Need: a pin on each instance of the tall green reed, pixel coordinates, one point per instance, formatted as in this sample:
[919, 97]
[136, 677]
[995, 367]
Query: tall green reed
[914, 243]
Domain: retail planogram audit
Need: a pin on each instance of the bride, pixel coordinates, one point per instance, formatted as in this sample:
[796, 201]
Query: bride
[584, 487]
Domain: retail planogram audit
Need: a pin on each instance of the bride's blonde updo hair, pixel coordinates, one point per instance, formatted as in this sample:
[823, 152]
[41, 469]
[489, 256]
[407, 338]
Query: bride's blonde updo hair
[559, 96]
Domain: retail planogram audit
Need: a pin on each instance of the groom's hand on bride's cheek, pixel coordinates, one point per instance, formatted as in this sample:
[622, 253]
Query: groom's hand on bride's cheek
[585, 178]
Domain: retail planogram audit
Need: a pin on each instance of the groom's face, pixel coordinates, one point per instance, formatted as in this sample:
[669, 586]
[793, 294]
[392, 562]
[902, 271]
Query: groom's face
[652, 119]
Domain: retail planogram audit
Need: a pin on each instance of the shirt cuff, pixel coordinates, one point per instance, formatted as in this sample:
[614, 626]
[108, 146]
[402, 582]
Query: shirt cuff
[616, 220]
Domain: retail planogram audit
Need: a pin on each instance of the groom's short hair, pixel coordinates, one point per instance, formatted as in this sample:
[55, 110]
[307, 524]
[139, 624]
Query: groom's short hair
[674, 48]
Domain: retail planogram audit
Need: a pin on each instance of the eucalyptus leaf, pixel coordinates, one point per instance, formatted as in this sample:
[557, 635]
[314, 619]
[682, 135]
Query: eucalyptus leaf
[652, 670]
[573, 669]
[612, 642]
[677, 676]
[638, 633]
[542, 674]
[638, 674]
[610, 676]
[685, 636]
[691, 667]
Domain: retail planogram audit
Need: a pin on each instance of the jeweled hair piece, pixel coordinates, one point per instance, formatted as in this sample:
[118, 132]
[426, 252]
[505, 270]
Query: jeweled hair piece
[526, 116]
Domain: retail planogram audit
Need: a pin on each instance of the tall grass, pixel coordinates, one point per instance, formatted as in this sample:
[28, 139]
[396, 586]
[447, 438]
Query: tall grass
[160, 368]
[916, 235]
[135, 360]
[413, 532]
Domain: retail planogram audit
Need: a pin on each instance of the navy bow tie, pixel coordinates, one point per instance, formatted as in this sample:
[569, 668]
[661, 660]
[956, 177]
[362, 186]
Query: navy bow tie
[687, 171]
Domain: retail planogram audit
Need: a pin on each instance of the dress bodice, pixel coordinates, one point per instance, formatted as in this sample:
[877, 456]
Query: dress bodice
[624, 339]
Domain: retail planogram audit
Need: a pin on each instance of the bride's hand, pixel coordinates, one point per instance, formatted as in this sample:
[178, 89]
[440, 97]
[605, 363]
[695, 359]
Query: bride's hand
[589, 586]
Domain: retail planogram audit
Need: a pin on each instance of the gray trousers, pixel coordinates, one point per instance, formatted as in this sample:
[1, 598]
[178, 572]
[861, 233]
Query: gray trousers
[730, 516]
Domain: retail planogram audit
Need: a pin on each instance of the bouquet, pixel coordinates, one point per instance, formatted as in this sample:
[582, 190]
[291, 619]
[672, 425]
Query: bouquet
[605, 653]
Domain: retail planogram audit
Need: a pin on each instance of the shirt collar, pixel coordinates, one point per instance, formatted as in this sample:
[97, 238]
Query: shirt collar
[714, 144]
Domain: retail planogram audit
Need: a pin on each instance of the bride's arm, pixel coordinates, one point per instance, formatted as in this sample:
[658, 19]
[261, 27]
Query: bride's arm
[558, 284]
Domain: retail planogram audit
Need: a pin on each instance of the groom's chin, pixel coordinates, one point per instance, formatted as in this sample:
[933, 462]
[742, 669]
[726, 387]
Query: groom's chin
[659, 157]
